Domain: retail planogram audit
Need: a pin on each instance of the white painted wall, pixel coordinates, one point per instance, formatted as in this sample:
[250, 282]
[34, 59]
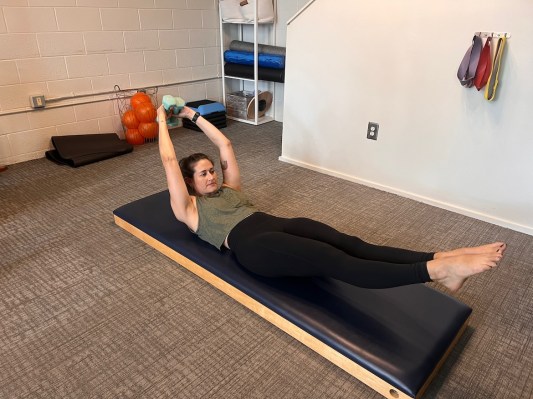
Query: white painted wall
[286, 9]
[70, 47]
[352, 61]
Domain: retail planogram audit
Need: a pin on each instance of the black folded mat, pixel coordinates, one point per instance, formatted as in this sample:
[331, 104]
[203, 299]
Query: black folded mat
[83, 149]
[247, 72]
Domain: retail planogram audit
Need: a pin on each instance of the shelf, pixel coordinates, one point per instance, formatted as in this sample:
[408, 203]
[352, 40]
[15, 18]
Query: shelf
[247, 23]
[241, 31]
[248, 79]
[260, 121]
[235, 77]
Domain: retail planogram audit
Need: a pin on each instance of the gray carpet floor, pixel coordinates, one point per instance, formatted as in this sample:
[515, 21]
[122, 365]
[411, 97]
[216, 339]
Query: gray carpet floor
[89, 311]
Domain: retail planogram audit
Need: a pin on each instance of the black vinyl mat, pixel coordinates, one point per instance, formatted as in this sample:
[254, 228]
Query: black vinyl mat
[83, 149]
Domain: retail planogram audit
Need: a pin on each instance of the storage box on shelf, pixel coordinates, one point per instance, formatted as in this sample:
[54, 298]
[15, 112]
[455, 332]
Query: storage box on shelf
[241, 104]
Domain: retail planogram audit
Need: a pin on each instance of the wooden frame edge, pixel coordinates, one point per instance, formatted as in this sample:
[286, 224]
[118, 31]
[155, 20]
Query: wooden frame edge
[348, 365]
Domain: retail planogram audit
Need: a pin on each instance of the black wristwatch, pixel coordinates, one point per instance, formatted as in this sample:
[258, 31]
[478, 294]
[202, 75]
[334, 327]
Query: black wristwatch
[195, 117]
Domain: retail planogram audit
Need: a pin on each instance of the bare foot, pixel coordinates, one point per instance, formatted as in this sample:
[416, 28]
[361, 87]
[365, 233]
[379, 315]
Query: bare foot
[452, 271]
[495, 247]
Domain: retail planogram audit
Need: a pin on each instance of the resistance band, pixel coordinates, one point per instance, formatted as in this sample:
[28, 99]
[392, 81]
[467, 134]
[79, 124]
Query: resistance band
[492, 84]
[468, 67]
[484, 68]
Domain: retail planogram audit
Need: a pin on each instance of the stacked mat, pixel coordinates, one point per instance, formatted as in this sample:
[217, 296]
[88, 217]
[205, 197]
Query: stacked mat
[239, 61]
[213, 111]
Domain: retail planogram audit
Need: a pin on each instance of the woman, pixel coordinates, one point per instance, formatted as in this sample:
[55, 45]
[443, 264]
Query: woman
[274, 247]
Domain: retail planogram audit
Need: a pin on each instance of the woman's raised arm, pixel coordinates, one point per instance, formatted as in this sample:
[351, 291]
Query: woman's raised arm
[182, 204]
[228, 161]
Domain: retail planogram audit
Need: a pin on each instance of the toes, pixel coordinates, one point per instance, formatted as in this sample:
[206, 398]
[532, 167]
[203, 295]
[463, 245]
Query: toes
[494, 261]
[501, 248]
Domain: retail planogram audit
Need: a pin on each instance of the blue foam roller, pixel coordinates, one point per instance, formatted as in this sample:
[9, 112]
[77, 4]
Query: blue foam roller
[247, 58]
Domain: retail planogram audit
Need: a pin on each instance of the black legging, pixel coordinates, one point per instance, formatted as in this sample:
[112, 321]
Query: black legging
[275, 247]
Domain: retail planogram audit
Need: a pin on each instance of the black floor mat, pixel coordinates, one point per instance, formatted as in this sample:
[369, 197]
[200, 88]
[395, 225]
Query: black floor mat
[83, 149]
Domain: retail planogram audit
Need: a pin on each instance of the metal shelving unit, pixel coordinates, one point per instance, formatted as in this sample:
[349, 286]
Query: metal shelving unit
[242, 82]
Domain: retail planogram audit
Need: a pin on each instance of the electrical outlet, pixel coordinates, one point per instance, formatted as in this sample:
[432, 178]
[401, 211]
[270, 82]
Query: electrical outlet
[37, 101]
[372, 131]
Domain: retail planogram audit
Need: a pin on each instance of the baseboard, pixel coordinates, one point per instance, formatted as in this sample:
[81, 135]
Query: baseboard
[30, 156]
[426, 200]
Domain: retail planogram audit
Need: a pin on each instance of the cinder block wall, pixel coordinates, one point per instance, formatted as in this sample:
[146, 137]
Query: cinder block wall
[63, 48]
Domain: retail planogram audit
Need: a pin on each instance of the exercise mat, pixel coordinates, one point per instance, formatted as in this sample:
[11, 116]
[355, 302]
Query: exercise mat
[217, 117]
[394, 340]
[214, 118]
[239, 45]
[247, 72]
[247, 58]
[206, 108]
[209, 109]
[83, 149]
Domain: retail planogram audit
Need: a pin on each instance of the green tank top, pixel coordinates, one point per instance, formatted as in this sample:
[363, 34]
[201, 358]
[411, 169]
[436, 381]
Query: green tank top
[220, 212]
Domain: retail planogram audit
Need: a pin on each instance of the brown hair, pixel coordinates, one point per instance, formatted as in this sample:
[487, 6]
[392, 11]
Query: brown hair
[187, 165]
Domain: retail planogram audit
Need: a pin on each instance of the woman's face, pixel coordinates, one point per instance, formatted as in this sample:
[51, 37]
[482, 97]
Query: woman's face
[204, 180]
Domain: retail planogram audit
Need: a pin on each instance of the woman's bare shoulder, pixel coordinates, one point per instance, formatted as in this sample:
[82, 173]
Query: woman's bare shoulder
[230, 187]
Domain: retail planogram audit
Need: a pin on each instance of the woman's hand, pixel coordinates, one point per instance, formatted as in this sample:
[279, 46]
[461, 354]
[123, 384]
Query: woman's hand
[161, 114]
[186, 112]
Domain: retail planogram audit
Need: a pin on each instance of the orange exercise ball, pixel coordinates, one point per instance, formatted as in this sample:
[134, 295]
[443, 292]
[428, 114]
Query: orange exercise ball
[148, 130]
[139, 98]
[129, 120]
[145, 112]
[134, 137]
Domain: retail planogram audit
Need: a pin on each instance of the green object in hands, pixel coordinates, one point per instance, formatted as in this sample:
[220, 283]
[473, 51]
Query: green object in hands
[173, 106]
